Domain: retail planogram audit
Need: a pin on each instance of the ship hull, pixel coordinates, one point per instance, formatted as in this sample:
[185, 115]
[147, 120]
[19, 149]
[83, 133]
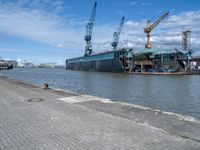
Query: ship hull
[113, 61]
[6, 66]
[104, 65]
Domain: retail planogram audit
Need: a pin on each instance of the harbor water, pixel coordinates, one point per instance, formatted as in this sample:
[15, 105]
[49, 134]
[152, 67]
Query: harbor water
[172, 93]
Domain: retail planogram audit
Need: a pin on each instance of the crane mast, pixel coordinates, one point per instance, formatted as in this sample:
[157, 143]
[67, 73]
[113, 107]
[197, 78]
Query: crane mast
[150, 27]
[89, 29]
[116, 34]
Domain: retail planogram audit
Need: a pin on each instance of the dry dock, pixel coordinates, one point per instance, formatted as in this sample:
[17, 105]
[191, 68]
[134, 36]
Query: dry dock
[48, 119]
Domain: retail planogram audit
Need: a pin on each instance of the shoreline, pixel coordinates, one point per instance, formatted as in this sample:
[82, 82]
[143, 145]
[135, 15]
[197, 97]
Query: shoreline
[107, 100]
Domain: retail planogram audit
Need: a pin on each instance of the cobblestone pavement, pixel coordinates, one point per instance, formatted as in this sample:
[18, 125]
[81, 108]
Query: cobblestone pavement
[32, 118]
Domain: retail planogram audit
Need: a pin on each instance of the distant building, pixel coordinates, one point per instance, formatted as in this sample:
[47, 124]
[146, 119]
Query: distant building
[25, 63]
[195, 61]
[47, 65]
[50, 65]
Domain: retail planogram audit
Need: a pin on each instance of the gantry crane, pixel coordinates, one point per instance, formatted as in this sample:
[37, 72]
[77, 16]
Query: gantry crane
[116, 34]
[89, 29]
[150, 27]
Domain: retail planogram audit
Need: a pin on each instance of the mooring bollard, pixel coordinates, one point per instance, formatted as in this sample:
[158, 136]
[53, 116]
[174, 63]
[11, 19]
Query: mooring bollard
[45, 86]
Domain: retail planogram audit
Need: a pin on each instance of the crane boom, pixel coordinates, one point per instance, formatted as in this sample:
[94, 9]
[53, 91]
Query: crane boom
[89, 29]
[151, 27]
[116, 34]
[158, 21]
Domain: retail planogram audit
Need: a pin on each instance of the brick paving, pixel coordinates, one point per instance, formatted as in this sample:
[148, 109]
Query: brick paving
[53, 124]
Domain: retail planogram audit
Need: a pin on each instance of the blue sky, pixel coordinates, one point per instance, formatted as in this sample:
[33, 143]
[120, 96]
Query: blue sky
[53, 30]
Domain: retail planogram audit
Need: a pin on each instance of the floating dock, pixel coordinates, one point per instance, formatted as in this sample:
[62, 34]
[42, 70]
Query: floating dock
[134, 59]
[162, 73]
[36, 118]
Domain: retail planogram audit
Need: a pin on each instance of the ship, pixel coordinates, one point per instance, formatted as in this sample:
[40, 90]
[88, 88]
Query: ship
[5, 65]
[115, 60]
[112, 61]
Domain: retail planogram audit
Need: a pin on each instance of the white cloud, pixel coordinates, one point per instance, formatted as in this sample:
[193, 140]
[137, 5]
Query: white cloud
[168, 34]
[47, 27]
[12, 50]
[133, 3]
[145, 3]
[140, 3]
[39, 24]
[131, 24]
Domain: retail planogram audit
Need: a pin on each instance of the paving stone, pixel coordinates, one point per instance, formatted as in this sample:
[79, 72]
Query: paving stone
[52, 124]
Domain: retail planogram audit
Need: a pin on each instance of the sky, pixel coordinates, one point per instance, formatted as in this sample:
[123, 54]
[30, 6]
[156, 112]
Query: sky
[53, 30]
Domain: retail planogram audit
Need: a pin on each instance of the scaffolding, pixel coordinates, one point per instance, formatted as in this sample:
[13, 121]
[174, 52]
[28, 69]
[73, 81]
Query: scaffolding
[186, 40]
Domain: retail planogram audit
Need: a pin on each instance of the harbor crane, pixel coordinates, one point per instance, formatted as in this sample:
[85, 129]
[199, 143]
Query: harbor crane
[186, 40]
[150, 27]
[116, 34]
[89, 29]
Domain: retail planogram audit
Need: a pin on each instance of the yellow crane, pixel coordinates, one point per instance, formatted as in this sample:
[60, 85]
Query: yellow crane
[152, 26]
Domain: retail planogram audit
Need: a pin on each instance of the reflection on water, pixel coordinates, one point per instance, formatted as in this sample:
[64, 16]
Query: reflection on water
[178, 94]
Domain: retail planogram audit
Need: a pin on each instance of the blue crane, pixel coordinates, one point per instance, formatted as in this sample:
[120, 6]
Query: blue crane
[89, 29]
[116, 34]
